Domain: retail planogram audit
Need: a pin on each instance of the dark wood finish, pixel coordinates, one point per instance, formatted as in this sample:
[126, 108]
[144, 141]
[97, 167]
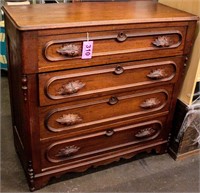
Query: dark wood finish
[70, 114]
[85, 147]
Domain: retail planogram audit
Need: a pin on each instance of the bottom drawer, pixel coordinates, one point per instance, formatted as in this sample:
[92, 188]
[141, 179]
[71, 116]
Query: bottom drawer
[71, 151]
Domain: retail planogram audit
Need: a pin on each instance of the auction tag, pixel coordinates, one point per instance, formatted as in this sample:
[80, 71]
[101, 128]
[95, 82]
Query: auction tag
[87, 49]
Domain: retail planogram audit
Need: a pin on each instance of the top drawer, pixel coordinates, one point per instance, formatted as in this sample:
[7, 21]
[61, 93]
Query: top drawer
[65, 51]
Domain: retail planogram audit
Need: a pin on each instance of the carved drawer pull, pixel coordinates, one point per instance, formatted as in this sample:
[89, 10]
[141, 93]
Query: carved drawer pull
[118, 70]
[69, 50]
[71, 87]
[150, 103]
[69, 119]
[121, 37]
[113, 100]
[67, 151]
[162, 41]
[109, 132]
[145, 132]
[157, 74]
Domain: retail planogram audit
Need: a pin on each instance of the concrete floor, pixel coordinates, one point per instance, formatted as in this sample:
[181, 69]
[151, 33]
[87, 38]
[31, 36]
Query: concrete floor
[143, 173]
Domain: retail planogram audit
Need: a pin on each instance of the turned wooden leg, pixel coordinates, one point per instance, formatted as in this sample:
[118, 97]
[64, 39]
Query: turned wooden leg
[38, 183]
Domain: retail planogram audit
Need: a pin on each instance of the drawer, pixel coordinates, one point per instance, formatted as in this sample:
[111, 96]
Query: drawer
[86, 147]
[71, 85]
[64, 51]
[55, 120]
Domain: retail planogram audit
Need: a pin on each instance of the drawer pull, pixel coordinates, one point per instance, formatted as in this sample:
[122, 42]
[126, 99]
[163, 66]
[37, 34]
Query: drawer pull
[157, 74]
[113, 100]
[150, 103]
[69, 50]
[145, 132]
[118, 70]
[69, 119]
[162, 41]
[71, 87]
[109, 132]
[67, 151]
[121, 37]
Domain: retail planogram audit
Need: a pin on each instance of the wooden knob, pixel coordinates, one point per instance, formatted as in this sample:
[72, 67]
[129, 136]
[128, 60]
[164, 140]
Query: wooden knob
[113, 100]
[121, 37]
[118, 70]
[109, 132]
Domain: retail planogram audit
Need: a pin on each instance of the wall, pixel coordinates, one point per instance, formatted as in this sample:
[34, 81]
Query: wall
[193, 69]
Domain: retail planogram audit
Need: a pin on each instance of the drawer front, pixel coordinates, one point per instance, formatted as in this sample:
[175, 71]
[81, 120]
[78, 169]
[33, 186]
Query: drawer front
[65, 51]
[92, 82]
[69, 118]
[80, 149]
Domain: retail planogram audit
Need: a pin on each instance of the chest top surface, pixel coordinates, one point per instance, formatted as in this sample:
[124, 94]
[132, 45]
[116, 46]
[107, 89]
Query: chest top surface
[50, 16]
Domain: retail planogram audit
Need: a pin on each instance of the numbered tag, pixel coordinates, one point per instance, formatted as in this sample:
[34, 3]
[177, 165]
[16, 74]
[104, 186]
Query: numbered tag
[87, 49]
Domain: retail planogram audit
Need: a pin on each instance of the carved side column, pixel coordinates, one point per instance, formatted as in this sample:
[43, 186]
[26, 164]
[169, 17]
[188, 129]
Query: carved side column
[31, 176]
[25, 87]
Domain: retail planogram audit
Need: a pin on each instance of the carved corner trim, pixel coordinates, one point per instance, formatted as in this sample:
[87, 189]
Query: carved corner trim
[24, 87]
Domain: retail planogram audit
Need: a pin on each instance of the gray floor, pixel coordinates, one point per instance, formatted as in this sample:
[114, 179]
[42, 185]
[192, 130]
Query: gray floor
[143, 173]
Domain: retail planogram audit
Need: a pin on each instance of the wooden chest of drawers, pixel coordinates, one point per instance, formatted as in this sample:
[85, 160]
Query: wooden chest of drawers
[71, 113]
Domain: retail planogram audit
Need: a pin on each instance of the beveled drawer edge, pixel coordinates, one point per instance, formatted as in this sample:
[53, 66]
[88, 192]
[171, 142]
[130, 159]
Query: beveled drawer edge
[102, 133]
[97, 158]
[100, 128]
[107, 119]
[63, 31]
[78, 75]
[50, 43]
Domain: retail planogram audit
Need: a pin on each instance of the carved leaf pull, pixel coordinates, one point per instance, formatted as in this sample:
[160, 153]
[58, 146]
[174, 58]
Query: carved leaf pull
[147, 132]
[157, 74]
[150, 103]
[162, 41]
[69, 50]
[69, 119]
[71, 87]
[67, 151]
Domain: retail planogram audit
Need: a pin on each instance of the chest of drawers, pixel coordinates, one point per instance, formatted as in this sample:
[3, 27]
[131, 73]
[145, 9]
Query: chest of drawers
[70, 113]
